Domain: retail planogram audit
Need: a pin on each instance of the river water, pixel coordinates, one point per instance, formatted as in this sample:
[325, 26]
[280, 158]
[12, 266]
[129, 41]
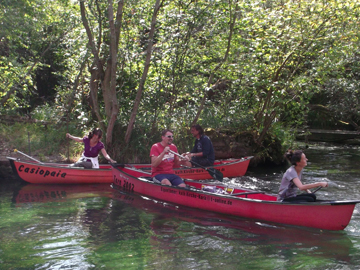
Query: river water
[94, 227]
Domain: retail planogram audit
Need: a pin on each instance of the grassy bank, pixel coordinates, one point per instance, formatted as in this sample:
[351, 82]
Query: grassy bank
[44, 142]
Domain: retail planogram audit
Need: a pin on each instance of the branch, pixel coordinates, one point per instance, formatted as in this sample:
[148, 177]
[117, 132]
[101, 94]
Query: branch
[90, 37]
[119, 14]
[218, 66]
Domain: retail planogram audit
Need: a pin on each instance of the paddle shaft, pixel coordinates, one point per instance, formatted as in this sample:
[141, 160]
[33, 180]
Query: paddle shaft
[180, 156]
[213, 172]
[17, 151]
[317, 189]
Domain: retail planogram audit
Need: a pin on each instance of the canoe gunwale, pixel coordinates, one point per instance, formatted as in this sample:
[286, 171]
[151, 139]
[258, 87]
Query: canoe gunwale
[236, 160]
[55, 165]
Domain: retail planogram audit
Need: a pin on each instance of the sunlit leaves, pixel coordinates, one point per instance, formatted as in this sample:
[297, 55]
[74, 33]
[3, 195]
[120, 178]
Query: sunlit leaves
[32, 40]
[281, 54]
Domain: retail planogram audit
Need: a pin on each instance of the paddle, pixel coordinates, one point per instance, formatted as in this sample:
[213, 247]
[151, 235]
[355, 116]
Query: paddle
[216, 174]
[316, 189]
[17, 151]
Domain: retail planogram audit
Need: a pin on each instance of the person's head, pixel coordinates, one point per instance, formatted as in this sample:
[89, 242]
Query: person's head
[295, 157]
[196, 130]
[167, 136]
[95, 131]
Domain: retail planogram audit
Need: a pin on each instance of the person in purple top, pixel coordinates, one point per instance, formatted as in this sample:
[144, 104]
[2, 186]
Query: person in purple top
[92, 147]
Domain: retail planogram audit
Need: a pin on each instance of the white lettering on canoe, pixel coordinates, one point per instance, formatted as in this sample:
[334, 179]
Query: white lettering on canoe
[197, 196]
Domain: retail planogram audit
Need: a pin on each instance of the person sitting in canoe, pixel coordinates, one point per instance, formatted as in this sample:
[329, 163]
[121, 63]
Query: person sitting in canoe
[291, 180]
[92, 147]
[203, 150]
[163, 161]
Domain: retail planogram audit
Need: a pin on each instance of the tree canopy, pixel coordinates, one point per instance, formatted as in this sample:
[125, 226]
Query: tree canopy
[147, 65]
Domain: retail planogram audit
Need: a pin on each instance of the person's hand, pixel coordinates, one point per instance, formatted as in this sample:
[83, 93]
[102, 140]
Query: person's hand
[112, 161]
[324, 184]
[186, 156]
[166, 149]
[67, 135]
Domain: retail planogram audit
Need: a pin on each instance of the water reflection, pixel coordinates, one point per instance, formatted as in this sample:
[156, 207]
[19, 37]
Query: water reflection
[168, 221]
[50, 226]
[143, 223]
[47, 193]
[93, 227]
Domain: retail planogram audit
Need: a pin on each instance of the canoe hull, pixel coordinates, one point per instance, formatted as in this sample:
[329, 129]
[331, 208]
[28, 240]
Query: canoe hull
[330, 215]
[37, 173]
[57, 173]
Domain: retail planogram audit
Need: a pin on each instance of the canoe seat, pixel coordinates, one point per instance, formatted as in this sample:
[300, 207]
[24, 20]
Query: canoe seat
[247, 193]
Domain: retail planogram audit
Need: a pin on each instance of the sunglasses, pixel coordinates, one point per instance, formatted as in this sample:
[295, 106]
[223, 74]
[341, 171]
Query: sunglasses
[170, 136]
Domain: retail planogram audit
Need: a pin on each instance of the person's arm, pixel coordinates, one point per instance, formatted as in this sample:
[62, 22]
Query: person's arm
[301, 186]
[200, 154]
[156, 160]
[106, 155]
[77, 139]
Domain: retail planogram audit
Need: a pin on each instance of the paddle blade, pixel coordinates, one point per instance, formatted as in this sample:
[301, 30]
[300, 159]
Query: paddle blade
[216, 174]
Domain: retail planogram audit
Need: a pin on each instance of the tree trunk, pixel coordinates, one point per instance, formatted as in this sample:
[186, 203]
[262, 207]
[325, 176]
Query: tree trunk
[105, 75]
[113, 106]
[144, 75]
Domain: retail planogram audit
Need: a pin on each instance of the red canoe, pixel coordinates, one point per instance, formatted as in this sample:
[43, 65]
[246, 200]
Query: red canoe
[57, 173]
[327, 215]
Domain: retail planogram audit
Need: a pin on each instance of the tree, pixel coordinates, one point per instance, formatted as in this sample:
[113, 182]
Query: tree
[282, 55]
[145, 72]
[31, 39]
[103, 67]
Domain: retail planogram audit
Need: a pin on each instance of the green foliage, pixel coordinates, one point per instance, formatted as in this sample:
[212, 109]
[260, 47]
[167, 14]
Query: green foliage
[33, 56]
[282, 56]
[35, 138]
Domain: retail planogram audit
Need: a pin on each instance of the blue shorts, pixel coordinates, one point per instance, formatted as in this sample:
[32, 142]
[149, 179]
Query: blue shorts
[174, 179]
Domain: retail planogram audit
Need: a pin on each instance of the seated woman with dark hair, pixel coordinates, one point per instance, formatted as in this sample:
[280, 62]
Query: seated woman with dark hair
[92, 147]
[291, 180]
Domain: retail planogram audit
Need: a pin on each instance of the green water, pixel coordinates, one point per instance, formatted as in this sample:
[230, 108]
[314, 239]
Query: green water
[94, 227]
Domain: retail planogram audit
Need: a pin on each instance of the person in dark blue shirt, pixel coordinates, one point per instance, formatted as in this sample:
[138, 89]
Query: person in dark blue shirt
[203, 151]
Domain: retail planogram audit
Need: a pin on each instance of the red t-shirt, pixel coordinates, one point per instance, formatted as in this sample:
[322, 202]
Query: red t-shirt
[167, 163]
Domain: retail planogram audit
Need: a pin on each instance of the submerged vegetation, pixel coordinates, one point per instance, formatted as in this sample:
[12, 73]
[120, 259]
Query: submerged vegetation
[262, 68]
